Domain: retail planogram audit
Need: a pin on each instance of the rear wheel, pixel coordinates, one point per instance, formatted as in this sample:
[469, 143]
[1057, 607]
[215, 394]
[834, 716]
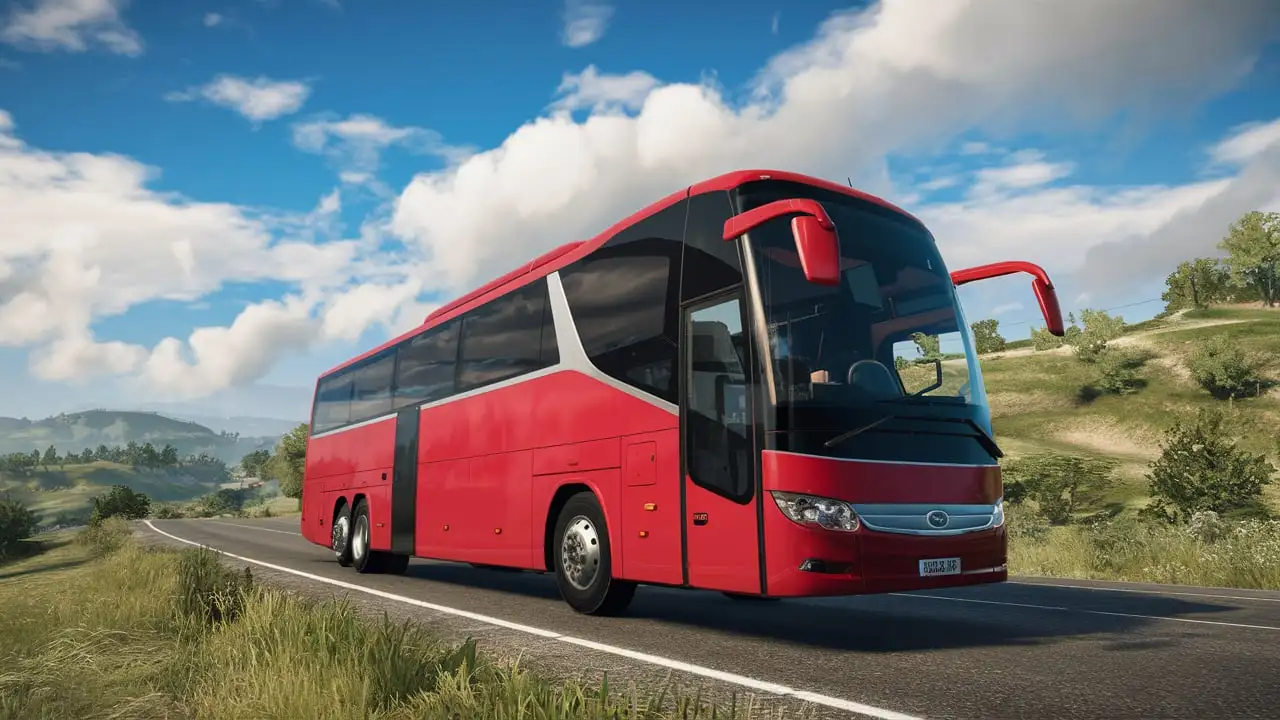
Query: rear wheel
[583, 563]
[340, 536]
[365, 559]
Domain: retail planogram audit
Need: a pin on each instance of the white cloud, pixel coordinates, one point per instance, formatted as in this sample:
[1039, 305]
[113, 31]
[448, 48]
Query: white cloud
[212, 19]
[1005, 308]
[585, 22]
[258, 99]
[975, 148]
[899, 77]
[357, 142]
[1247, 142]
[773, 24]
[1032, 171]
[71, 25]
[604, 93]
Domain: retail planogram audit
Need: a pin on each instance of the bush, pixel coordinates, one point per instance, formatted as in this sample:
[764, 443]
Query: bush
[1119, 368]
[1099, 329]
[106, 536]
[987, 337]
[1059, 484]
[17, 524]
[209, 591]
[1042, 339]
[122, 502]
[1200, 469]
[168, 511]
[1221, 367]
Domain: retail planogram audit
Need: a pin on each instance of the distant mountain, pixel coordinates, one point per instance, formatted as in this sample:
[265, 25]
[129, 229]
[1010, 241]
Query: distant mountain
[77, 431]
[245, 426]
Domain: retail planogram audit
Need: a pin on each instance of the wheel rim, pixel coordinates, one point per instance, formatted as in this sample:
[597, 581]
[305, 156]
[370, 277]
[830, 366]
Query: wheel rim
[340, 531]
[360, 540]
[580, 553]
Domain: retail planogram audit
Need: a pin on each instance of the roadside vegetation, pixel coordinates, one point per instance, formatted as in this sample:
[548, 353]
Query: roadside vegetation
[174, 633]
[1149, 452]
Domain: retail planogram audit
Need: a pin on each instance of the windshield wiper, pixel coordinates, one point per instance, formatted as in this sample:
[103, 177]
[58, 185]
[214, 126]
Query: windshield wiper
[846, 435]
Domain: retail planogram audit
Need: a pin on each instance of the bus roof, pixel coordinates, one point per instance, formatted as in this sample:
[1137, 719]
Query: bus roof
[566, 254]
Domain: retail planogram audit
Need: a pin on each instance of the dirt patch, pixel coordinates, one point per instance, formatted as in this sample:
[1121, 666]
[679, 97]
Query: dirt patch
[1108, 437]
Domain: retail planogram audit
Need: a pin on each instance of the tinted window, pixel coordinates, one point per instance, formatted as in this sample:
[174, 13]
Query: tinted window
[711, 263]
[717, 427]
[503, 337]
[371, 396]
[333, 403]
[624, 300]
[550, 345]
[427, 364]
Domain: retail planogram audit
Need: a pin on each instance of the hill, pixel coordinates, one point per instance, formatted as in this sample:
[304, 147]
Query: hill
[74, 432]
[64, 495]
[1050, 401]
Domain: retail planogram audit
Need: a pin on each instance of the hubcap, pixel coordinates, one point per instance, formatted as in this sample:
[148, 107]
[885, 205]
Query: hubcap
[340, 530]
[360, 540]
[580, 553]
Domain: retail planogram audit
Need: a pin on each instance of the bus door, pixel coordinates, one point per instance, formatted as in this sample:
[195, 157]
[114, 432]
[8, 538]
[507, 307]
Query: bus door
[721, 528]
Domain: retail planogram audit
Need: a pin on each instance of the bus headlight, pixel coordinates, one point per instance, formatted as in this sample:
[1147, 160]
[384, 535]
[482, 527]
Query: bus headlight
[812, 510]
[997, 515]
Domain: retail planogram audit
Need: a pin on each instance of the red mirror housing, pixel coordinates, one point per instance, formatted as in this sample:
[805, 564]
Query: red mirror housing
[817, 243]
[1046, 295]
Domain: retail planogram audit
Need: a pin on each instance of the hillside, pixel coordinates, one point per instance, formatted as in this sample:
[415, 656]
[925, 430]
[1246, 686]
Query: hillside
[66, 493]
[73, 432]
[1048, 400]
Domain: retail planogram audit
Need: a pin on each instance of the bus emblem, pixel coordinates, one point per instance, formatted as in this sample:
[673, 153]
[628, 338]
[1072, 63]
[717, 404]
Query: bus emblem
[937, 519]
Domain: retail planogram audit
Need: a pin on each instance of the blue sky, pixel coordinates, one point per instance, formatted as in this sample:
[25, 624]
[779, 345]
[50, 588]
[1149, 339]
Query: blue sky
[211, 202]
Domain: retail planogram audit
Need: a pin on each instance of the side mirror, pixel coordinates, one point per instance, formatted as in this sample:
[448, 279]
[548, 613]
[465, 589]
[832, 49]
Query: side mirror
[817, 242]
[1046, 295]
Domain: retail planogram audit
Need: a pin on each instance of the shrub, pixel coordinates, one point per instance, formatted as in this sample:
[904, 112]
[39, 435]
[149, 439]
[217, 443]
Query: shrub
[1099, 329]
[1059, 484]
[1201, 469]
[1221, 367]
[1119, 371]
[120, 501]
[1042, 339]
[17, 524]
[167, 511]
[209, 591]
[104, 537]
[987, 337]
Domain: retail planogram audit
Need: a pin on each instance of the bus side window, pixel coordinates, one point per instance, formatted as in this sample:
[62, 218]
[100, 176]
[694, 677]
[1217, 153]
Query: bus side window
[503, 338]
[716, 418]
[427, 366]
[371, 395]
[333, 403]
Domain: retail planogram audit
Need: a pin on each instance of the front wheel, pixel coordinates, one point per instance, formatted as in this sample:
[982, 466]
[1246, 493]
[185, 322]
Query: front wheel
[583, 563]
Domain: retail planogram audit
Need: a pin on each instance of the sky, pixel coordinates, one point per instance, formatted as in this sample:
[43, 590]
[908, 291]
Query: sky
[205, 204]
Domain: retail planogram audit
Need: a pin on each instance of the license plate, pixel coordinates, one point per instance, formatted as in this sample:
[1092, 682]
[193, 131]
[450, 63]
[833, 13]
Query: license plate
[940, 566]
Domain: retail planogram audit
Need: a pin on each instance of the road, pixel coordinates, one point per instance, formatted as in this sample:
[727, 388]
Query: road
[1026, 649]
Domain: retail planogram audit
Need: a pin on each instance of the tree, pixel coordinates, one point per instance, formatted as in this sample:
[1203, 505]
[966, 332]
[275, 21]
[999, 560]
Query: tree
[120, 501]
[1222, 368]
[1253, 247]
[169, 456]
[1099, 329]
[1059, 484]
[1200, 468]
[1195, 284]
[50, 457]
[930, 346]
[289, 461]
[987, 337]
[253, 463]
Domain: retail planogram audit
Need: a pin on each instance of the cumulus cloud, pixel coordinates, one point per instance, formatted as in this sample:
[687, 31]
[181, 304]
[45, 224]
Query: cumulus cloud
[896, 78]
[71, 25]
[212, 19]
[590, 90]
[257, 100]
[356, 143]
[585, 22]
[86, 239]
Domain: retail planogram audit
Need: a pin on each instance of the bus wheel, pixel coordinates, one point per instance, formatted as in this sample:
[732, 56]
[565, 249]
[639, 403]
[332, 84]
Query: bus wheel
[340, 540]
[584, 571]
[367, 560]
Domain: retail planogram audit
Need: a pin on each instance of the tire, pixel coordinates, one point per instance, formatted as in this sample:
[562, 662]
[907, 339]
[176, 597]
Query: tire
[366, 560]
[340, 536]
[582, 543]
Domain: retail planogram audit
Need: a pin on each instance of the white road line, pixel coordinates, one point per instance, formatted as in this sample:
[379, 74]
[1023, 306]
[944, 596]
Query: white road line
[254, 527]
[1087, 612]
[758, 685]
[1145, 591]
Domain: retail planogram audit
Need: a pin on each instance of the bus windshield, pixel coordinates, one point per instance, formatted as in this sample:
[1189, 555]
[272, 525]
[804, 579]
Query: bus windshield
[890, 341]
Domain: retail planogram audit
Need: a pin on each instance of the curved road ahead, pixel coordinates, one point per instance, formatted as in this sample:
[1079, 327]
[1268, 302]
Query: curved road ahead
[1027, 649]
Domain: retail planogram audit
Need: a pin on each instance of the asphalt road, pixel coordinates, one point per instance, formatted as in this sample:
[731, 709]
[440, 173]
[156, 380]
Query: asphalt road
[1031, 648]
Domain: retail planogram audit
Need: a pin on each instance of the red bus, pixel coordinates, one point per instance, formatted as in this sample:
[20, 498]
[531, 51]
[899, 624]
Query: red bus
[723, 391]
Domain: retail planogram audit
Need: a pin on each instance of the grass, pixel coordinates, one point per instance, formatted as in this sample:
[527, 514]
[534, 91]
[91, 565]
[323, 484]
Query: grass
[1207, 552]
[69, 491]
[160, 633]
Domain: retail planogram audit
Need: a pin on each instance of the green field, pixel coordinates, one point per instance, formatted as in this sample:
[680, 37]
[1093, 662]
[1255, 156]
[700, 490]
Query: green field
[70, 490]
[1047, 401]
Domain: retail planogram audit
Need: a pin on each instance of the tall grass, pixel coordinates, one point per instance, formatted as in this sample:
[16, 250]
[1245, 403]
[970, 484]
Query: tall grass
[102, 627]
[1208, 551]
